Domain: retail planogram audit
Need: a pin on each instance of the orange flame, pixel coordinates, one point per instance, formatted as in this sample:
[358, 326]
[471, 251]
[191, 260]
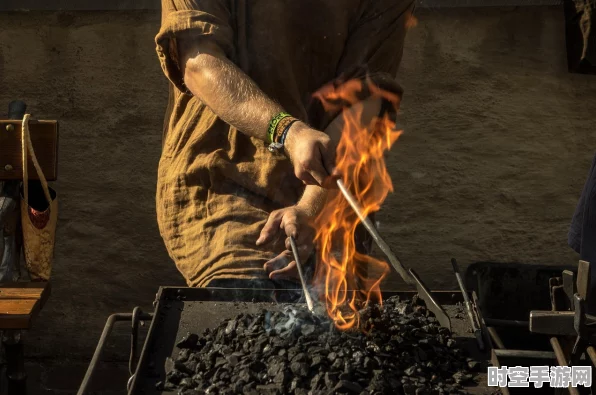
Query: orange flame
[341, 270]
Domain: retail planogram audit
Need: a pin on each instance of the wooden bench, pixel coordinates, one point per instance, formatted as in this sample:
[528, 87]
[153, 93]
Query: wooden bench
[20, 303]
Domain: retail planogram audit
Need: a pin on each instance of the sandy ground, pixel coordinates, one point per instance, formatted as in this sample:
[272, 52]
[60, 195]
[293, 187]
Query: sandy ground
[498, 141]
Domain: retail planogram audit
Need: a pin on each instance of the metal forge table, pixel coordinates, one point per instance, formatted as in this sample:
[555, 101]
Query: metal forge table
[181, 310]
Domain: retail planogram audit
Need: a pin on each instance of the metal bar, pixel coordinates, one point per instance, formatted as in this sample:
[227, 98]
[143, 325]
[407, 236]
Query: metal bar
[374, 233]
[468, 304]
[506, 323]
[530, 354]
[309, 301]
[101, 345]
[562, 360]
[484, 329]
[496, 338]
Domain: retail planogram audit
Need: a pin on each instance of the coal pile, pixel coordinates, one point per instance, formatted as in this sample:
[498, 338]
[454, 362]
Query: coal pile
[293, 351]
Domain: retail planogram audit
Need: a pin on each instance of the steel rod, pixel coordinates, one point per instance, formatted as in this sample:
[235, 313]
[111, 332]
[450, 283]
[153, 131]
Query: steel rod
[309, 301]
[375, 234]
[506, 323]
[529, 354]
[562, 360]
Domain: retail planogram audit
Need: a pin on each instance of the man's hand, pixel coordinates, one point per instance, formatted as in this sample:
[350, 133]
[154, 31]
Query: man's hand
[312, 153]
[291, 221]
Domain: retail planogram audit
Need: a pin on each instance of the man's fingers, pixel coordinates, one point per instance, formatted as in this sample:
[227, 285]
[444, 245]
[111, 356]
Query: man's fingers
[327, 152]
[304, 175]
[279, 262]
[290, 224]
[319, 174]
[270, 229]
[290, 272]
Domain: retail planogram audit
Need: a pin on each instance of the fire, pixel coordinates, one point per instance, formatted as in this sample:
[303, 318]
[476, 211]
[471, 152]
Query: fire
[341, 270]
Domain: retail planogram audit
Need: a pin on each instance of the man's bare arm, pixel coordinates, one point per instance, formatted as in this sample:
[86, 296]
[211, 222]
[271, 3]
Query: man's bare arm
[237, 99]
[224, 88]
[313, 199]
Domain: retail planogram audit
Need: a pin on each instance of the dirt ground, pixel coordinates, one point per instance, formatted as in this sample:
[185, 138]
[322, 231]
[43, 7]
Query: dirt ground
[498, 140]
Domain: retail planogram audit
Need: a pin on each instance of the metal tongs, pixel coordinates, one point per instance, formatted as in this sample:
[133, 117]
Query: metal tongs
[307, 296]
[410, 277]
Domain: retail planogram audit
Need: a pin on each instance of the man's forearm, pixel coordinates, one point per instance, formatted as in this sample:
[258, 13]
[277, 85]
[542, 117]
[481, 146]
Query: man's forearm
[224, 88]
[313, 199]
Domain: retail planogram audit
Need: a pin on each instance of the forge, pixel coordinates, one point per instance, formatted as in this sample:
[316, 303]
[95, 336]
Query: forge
[243, 341]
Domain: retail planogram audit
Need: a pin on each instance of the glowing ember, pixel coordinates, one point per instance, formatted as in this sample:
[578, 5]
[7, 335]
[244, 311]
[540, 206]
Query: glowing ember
[341, 270]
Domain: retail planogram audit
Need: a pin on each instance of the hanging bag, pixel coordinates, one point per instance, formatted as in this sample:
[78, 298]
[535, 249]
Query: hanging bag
[39, 215]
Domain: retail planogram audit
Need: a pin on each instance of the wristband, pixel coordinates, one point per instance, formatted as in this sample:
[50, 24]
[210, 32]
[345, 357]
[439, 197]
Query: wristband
[273, 126]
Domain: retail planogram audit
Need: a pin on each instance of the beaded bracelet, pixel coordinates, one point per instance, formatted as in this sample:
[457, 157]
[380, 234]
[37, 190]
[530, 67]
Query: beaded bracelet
[273, 126]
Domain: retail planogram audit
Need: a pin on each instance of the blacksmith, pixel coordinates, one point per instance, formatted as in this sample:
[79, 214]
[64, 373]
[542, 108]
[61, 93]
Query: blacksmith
[242, 133]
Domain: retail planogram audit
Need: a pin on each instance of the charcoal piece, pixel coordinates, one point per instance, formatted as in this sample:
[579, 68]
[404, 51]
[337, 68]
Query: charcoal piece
[410, 371]
[317, 382]
[317, 360]
[185, 383]
[338, 364]
[462, 377]
[168, 386]
[174, 376]
[233, 359]
[332, 356]
[231, 327]
[345, 376]
[270, 389]
[282, 377]
[299, 369]
[331, 379]
[473, 365]
[275, 367]
[308, 329]
[347, 387]
[300, 357]
[159, 385]
[190, 341]
[295, 384]
[409, 389]
[257, 366]
[183, 355]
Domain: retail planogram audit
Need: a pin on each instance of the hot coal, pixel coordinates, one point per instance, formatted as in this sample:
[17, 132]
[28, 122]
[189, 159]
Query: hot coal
[292, 351]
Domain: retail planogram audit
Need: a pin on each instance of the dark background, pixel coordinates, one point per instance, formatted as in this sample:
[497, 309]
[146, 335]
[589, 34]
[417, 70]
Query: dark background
[499, 138]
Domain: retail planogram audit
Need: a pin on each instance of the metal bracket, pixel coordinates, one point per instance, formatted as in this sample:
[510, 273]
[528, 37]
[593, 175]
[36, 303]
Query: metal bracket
[135, 317]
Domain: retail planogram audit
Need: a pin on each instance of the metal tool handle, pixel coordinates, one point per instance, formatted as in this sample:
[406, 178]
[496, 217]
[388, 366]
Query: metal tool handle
[309, 301]
[136, 316]
[460, 281]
